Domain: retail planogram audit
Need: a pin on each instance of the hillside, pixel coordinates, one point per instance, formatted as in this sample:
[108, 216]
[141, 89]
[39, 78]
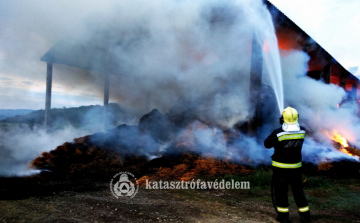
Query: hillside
[78, 116]
[6, 113]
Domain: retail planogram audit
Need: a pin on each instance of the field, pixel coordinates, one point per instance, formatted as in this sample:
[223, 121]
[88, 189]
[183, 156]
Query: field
[46, 199]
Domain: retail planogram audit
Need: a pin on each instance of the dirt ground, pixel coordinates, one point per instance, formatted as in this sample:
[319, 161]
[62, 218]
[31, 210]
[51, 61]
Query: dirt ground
[97, 204]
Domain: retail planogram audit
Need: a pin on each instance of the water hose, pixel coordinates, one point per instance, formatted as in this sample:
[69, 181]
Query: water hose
[273, 194]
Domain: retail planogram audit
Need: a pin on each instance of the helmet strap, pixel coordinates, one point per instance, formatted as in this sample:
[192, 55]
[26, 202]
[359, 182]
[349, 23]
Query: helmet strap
[281, 120]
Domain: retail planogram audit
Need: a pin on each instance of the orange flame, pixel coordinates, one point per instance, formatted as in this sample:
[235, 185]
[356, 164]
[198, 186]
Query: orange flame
[345, 145]
[340, 139]
[345, 151]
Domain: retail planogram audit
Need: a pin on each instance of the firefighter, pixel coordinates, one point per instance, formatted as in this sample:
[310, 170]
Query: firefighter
[286, 164]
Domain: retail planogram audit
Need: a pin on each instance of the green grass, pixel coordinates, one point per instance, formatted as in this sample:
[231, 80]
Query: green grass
[341, 199]
[260, 178]
[323, 193]
[347, 200]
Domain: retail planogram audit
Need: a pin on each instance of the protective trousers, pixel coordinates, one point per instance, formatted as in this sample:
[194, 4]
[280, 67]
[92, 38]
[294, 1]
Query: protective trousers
[282, 177]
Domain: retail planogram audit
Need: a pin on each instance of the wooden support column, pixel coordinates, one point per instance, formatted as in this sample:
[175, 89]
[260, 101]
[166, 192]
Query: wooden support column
[343, 78]
[327, 73]
[48, 93]
[255, 86]
[106, 99]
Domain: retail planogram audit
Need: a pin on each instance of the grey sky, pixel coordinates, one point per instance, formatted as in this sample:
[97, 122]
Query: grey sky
[334, 24]
[28, 29]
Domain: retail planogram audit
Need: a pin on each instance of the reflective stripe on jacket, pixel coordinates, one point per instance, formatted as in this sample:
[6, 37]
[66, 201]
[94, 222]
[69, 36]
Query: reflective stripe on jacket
[287, 147]
[282, 136]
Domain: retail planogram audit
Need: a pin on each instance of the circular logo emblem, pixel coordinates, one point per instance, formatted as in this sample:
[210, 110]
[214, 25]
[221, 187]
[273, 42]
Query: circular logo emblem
[124, 184]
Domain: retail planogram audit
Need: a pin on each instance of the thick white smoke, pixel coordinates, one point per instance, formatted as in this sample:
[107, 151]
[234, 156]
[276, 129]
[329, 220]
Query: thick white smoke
[211, 141]
[317, 104]
[170, 50]
[20, 145]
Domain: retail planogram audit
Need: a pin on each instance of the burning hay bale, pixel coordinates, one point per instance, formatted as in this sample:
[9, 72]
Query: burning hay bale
[340, 168]
[324, 166]
[157, 125]
[190, 166]
[156, 149]
[138, 149]
[353, 151]
[343, 146]
[80, 160]
[87, 157]
[84, 159]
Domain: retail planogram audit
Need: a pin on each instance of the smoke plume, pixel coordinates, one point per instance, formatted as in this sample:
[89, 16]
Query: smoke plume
[317, 104]
[20, 145]
[163, 51]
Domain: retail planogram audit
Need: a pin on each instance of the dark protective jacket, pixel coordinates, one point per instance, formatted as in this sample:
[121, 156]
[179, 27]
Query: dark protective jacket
[287, 147]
